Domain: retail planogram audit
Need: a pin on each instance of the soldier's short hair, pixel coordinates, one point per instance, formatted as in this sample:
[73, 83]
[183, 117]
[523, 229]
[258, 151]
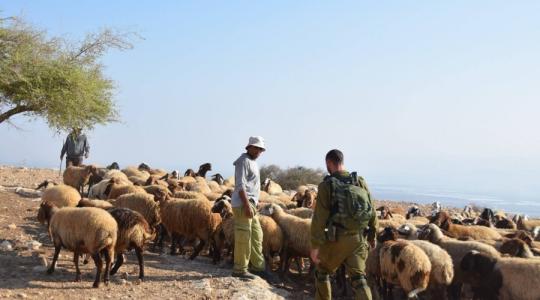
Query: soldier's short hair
[335, 156]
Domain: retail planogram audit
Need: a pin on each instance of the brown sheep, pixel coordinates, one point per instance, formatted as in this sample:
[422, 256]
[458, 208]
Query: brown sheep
[78, 177]
[442, 219]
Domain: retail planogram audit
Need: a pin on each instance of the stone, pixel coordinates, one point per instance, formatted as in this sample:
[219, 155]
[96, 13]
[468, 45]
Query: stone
[33, 245]
[12, 226]
[6, 246]
[22, 295]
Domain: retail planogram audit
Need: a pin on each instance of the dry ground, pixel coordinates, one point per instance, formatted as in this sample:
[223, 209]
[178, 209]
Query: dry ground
[22, 271]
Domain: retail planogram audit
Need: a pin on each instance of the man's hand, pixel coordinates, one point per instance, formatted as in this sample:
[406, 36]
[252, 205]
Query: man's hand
[314, 254]
[86, 155]
[61, 157]
[249, 212]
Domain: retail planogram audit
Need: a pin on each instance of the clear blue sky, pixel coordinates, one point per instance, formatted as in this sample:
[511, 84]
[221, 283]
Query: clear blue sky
[425, 93]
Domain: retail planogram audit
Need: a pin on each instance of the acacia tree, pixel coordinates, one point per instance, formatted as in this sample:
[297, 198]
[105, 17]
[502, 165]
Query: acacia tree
[54, 79]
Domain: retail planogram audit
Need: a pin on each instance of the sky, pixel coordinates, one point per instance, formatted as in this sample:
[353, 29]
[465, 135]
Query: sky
[416, 93]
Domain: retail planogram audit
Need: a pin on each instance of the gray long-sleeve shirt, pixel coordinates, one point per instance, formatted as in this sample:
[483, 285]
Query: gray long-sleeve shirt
[247, 178]
[75, 146]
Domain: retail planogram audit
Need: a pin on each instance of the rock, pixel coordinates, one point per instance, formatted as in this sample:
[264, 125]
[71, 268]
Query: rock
[22, 295]
[12, 226]
[124, 275]
[33, 245]
[43, 261]
[6, 246]
[39, 269]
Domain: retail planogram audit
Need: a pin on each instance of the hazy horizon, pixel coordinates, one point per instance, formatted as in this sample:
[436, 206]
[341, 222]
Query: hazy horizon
[430, 95]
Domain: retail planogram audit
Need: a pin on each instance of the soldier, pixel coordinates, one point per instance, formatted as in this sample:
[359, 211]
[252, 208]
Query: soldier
[343, 223]
[76, 146]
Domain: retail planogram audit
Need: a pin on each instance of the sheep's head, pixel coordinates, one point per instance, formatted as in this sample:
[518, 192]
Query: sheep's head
[113, 166]
[309, 199]
[222, 206]
[190, 172]
[515, 247]
[228, 192]
[429, 232]
[269, 209]
[441, 219]
[45, 212]
[385, 212]
[487, 214]
[218, 178]
[477, 265]
[205, 168]
[46, 184]
[387, 234]
[91, 170]
[406, 229]
[144, 167]
[413, 211]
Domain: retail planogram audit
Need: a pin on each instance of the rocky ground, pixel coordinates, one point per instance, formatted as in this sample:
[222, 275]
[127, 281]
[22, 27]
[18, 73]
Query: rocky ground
[26, 250]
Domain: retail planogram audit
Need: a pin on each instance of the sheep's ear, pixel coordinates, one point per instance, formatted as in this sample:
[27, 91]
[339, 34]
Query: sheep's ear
[108, 188]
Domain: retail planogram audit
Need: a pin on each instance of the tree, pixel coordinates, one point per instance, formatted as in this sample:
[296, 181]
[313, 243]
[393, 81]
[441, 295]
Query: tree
[55, 79]
[291, 178]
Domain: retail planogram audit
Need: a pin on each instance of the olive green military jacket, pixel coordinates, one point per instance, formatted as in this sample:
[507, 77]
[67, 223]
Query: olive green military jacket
[322, 213]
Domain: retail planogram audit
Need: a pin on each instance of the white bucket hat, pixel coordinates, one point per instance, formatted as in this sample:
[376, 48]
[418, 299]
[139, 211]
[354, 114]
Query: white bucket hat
[256, 141]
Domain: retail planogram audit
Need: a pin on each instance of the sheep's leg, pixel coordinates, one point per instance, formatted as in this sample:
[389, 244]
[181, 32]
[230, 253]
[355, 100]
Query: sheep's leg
[55, 259]
[108, 260]
[118, 263]
[85, 259]
[173, 244]
[197, 249]
[77, 270]
[299, 265]
[99, 268]
[140, 258]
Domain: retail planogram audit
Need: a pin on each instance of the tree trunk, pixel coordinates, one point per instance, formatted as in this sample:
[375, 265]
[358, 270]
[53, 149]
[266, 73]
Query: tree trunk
[16, 110]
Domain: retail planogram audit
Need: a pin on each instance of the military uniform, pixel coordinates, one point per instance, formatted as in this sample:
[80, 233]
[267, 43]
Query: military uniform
[350, 248]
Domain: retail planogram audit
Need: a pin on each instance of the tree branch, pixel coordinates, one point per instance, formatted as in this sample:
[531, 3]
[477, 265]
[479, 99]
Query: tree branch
[16, 110]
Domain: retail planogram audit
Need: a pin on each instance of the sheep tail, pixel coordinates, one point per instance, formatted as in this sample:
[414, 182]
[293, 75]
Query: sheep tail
[414, 293]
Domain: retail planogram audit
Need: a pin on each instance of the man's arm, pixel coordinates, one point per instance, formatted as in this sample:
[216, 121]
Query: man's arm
[373, 223]
[64, 149]
[86, 147]
[320, 216]
[240, 178]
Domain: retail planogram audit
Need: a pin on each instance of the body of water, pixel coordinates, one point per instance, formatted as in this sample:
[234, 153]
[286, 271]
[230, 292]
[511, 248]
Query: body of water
[449, 198]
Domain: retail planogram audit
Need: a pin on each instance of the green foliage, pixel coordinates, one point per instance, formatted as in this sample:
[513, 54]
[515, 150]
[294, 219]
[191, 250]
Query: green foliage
[54, 79]
[291, 178]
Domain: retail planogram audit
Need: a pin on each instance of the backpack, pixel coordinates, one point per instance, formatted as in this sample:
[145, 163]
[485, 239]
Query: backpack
[351, 203]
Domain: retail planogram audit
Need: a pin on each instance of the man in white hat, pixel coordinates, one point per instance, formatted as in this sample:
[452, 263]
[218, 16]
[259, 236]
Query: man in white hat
[248, 234]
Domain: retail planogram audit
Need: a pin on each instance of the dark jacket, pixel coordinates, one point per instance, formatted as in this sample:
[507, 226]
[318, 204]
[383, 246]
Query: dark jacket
[75, 146]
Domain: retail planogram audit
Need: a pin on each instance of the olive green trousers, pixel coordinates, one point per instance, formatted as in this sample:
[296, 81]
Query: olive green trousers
[248, 237]
[351, 250]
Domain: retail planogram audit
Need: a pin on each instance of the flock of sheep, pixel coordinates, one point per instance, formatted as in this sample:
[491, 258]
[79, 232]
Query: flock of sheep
[440, 256]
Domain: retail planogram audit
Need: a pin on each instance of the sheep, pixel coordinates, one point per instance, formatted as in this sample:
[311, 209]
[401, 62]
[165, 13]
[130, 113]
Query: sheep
[158, 191]
[215, 187]
[190, 173]
[272, 239]
[457, 250]
[442, 268]
[528, 225]
[442, 219]
[142, 203]
[229, 182]
[98, 190]
[82, 230]
[271, 187]
[135, 172]
[404, 263]
[191, 219]
[46, 184]
[517, 248]
[189, 195]
[133, 232]
[407, 231]
[296, 232]
[301, 212]
[198, 186]
[78, 177]
[203, 169]
[119, 175]
[95, 203]
[218, 179]
[115, 190]
[502, 278]
[61, 195]
[413, 211]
